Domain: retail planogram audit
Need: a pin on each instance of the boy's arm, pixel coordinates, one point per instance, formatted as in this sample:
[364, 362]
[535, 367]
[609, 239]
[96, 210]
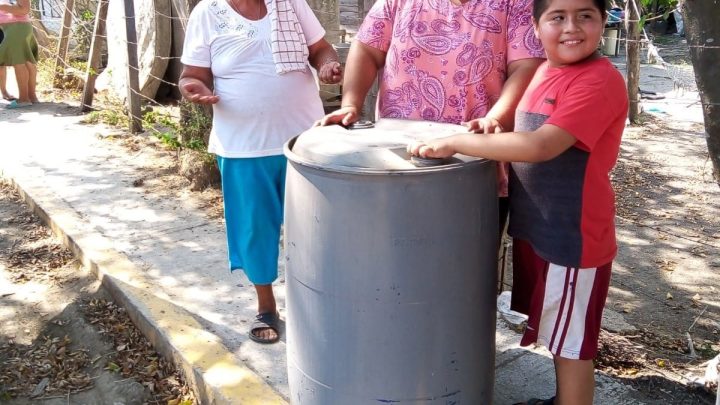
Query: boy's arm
[520, 73]
[545, 143]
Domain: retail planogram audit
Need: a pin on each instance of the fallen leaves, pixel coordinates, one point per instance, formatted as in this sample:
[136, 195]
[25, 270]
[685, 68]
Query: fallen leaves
[37, 254]
[48, 367]
[665, 264]
[134, 356]
[55, 364]
[645, 351]
[58, 366]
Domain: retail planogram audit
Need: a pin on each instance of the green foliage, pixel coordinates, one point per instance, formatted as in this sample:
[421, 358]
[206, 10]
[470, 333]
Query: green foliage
[655, 9]
[186, 133]
[163, 127]
[113, 367]
[647, 4]
[111, 117]
[79, 65]
[707, 350]
[87, 15]
[195, 144]
[194, 129]
[169, 139]
[82, 30]
[196, 122]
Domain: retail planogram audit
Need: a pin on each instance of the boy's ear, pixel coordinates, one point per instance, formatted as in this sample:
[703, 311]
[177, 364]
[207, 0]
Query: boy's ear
[535, 27]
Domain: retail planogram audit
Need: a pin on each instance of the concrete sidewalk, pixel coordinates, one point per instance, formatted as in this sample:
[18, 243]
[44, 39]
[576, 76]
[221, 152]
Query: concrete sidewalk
[165, 261]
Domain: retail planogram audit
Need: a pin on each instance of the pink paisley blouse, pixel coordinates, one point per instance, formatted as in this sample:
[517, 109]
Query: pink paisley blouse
[445, 62]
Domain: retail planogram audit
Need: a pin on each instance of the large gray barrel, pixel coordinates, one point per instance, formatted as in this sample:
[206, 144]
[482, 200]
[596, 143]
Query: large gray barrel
[391, 270]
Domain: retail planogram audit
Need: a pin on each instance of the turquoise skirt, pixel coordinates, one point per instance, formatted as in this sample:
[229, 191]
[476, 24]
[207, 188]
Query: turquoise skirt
[253, 196]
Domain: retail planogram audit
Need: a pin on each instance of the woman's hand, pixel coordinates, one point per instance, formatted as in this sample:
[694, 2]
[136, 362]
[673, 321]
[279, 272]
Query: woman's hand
[324, 59]
[434, 148]
[196, 91]
[485, 125]
[343, 116]
[330, 72]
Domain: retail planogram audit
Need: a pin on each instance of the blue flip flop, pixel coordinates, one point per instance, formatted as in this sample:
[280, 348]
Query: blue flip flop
[16, 104]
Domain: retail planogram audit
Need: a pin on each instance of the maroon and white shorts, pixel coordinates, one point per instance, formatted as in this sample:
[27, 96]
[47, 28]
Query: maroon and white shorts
[564, 304]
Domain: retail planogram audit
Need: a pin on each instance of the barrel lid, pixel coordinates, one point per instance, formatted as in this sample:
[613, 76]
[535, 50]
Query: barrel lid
[377, 147]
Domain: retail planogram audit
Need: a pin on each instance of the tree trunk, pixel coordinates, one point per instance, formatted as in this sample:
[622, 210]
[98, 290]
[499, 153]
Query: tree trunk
[633, 58]
[703, 36]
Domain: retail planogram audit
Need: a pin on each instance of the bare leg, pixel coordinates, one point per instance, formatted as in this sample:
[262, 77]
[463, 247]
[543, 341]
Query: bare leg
[266, 304]
[575, 381]
[32, 81]
[3, 83]
[22, 76]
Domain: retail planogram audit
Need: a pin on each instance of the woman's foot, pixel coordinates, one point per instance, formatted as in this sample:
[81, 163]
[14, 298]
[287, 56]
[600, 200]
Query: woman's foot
[266, 328]
[8, 97]
[15, 104]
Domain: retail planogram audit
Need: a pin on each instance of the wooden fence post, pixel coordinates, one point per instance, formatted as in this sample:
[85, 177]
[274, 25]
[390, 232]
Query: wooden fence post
[94, 60]
[632, 14]
[133, 97]
[62, 49]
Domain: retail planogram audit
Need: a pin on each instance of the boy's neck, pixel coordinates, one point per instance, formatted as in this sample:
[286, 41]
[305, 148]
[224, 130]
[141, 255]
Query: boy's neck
[593, 56]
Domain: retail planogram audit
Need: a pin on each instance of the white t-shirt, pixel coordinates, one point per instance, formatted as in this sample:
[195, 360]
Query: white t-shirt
[259, 110]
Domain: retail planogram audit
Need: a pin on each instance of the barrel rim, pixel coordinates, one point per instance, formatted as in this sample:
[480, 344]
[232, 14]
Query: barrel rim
[295, 158]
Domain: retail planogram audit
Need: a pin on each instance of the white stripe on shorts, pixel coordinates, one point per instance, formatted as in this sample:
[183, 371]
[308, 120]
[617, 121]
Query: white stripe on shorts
[562, 323]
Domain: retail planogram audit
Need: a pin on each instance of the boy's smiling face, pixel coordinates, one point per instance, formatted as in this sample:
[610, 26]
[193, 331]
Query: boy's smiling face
[569, 30]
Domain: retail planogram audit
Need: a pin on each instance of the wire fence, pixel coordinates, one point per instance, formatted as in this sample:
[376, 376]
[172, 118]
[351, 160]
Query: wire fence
[83, 17]
[71, 64]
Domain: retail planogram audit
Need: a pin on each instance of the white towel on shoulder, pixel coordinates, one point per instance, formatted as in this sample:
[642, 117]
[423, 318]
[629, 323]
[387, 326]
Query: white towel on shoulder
[289, 48]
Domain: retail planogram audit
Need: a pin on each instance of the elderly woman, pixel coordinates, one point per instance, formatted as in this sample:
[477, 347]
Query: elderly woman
[19, 50]
[249, 59]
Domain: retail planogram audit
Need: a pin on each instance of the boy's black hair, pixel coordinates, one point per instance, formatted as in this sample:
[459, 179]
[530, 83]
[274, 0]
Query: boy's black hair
[539, 7]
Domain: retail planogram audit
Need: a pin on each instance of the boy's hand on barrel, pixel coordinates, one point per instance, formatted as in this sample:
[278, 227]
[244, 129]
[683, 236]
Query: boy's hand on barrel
[343, 116]
[434, 148]
[485, 125]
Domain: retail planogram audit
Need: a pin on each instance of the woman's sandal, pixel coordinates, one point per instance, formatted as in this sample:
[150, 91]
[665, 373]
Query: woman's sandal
[268, 320]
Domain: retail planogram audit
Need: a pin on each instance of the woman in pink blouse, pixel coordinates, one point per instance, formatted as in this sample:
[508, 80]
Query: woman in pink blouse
[456, 61]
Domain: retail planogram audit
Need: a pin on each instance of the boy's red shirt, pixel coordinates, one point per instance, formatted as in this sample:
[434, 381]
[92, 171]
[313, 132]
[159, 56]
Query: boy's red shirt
[565, 207]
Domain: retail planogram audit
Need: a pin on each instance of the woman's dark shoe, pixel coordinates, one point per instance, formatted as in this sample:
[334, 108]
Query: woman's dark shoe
[268, 320]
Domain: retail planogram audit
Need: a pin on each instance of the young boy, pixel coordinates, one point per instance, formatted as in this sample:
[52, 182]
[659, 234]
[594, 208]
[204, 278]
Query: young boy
[568, 129]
